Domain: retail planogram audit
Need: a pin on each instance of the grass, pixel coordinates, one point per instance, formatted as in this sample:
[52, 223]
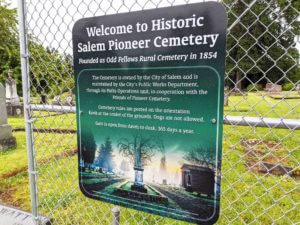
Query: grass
[260, 104]
[246, 197]
[12, 160]
[16, 159]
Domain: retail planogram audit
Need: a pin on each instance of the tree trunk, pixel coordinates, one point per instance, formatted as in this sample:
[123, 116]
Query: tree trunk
[238, 82]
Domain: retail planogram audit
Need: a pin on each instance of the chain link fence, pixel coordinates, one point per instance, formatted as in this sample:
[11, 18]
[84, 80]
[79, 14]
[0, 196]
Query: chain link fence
[261, 153]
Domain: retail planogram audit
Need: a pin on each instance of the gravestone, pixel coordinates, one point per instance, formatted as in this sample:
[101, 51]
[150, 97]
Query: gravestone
[226, 95]
[13, 105]
[298, 88]
[6, 139]
[270, 87]
[56, 100]
[70, 100]
[11, 91]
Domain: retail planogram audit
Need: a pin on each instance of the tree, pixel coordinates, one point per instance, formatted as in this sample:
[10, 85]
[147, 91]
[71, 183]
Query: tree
[105, 156]
[201, 156]
[9, 44]
[50, 71]
[261, 46]
[88, 147]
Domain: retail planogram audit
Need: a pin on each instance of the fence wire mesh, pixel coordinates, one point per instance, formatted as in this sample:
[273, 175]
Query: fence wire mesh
[260, 169]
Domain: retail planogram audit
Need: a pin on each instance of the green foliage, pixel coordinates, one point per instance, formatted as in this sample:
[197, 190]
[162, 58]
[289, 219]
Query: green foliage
[254, 87]
[287, 86]
[263, 41]
[9, 44]
[50, 70]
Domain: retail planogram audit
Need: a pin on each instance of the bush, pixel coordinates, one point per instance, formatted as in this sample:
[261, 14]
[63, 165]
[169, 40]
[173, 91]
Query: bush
[287, 87]
[254, 87]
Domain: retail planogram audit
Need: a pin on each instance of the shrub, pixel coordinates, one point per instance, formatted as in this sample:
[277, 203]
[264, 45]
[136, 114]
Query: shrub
[254, 87]
[287, 86]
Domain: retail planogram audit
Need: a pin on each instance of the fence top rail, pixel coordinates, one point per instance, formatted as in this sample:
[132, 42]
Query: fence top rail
[291, 124]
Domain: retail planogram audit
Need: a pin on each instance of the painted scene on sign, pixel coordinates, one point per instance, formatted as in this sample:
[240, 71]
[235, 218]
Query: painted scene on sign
[147, 171]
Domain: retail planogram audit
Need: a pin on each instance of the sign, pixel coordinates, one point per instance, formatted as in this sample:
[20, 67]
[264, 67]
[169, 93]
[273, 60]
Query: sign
[13, 216]
[149, 98]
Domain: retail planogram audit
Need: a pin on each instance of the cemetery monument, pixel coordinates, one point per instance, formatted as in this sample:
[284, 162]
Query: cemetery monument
[6, 139]
[13, 104]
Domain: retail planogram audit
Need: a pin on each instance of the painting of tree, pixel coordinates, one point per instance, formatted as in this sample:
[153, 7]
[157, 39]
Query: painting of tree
[201, 156]
[88, 148]
[105, 156]
[146, 146]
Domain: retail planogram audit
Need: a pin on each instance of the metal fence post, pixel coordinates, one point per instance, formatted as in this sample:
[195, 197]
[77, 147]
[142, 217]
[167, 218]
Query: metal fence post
[116, 216]
[26, 101]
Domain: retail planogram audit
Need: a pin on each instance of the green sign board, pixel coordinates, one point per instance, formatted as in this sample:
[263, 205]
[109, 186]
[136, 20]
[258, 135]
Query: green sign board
[149, 94]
